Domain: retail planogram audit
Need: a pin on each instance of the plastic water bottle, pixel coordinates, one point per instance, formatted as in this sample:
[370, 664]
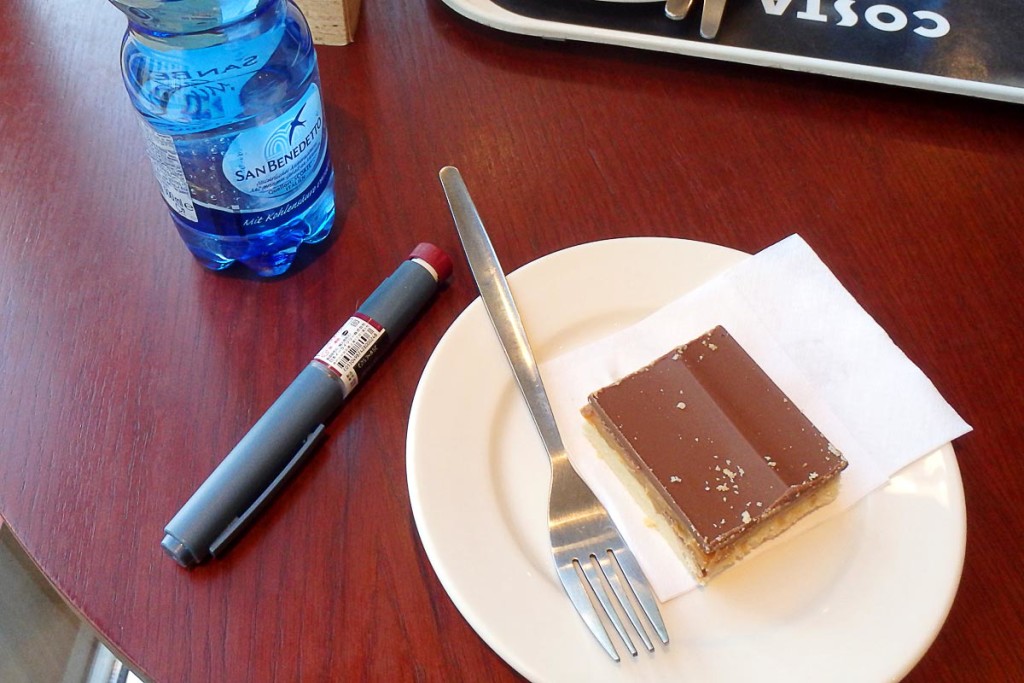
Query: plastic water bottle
[233, 118]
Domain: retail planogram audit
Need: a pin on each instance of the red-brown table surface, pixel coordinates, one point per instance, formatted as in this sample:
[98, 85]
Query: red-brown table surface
[128, 371]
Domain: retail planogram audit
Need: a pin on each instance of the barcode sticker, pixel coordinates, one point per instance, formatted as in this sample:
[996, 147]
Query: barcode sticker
[350, 349]
[169, 173]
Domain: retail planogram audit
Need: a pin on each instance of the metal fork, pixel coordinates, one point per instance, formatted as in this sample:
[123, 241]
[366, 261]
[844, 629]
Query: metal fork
[596, 568]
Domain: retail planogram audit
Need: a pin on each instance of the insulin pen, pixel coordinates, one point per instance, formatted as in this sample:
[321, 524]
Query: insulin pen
[262, 462]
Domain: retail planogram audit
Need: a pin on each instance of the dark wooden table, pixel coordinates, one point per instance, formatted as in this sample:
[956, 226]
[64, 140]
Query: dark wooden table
[128, 371]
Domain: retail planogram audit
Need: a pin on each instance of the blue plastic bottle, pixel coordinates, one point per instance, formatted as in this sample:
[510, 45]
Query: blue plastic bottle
[233, 118]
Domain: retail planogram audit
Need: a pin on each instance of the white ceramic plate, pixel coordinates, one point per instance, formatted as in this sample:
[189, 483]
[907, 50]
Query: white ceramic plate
[859, 598]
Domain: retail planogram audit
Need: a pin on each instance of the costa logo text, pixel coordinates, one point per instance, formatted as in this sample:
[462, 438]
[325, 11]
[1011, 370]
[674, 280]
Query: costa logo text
[878, 16]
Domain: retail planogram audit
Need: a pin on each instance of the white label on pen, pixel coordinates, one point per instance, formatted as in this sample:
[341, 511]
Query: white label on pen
[350, 349]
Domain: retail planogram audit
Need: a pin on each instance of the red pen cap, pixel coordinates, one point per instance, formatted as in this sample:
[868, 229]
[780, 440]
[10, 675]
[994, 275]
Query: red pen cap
[435, 258]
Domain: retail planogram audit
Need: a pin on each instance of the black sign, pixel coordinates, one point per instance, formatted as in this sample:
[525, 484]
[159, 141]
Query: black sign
[976, 43]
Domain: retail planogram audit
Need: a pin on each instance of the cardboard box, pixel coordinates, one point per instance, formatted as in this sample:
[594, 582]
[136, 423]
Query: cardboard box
[333, 22]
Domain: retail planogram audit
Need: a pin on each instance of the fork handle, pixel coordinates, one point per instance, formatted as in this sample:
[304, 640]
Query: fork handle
[501, 308]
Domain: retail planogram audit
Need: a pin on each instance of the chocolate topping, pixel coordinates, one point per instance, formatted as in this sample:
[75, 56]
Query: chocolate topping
[712, 431]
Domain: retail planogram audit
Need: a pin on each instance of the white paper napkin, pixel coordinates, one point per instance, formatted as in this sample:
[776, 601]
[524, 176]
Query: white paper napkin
[813, 339]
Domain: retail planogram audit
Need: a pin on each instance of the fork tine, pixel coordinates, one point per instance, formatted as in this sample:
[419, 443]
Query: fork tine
[642, 591]
[593, 569]
[613, 573]
[573, 584]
